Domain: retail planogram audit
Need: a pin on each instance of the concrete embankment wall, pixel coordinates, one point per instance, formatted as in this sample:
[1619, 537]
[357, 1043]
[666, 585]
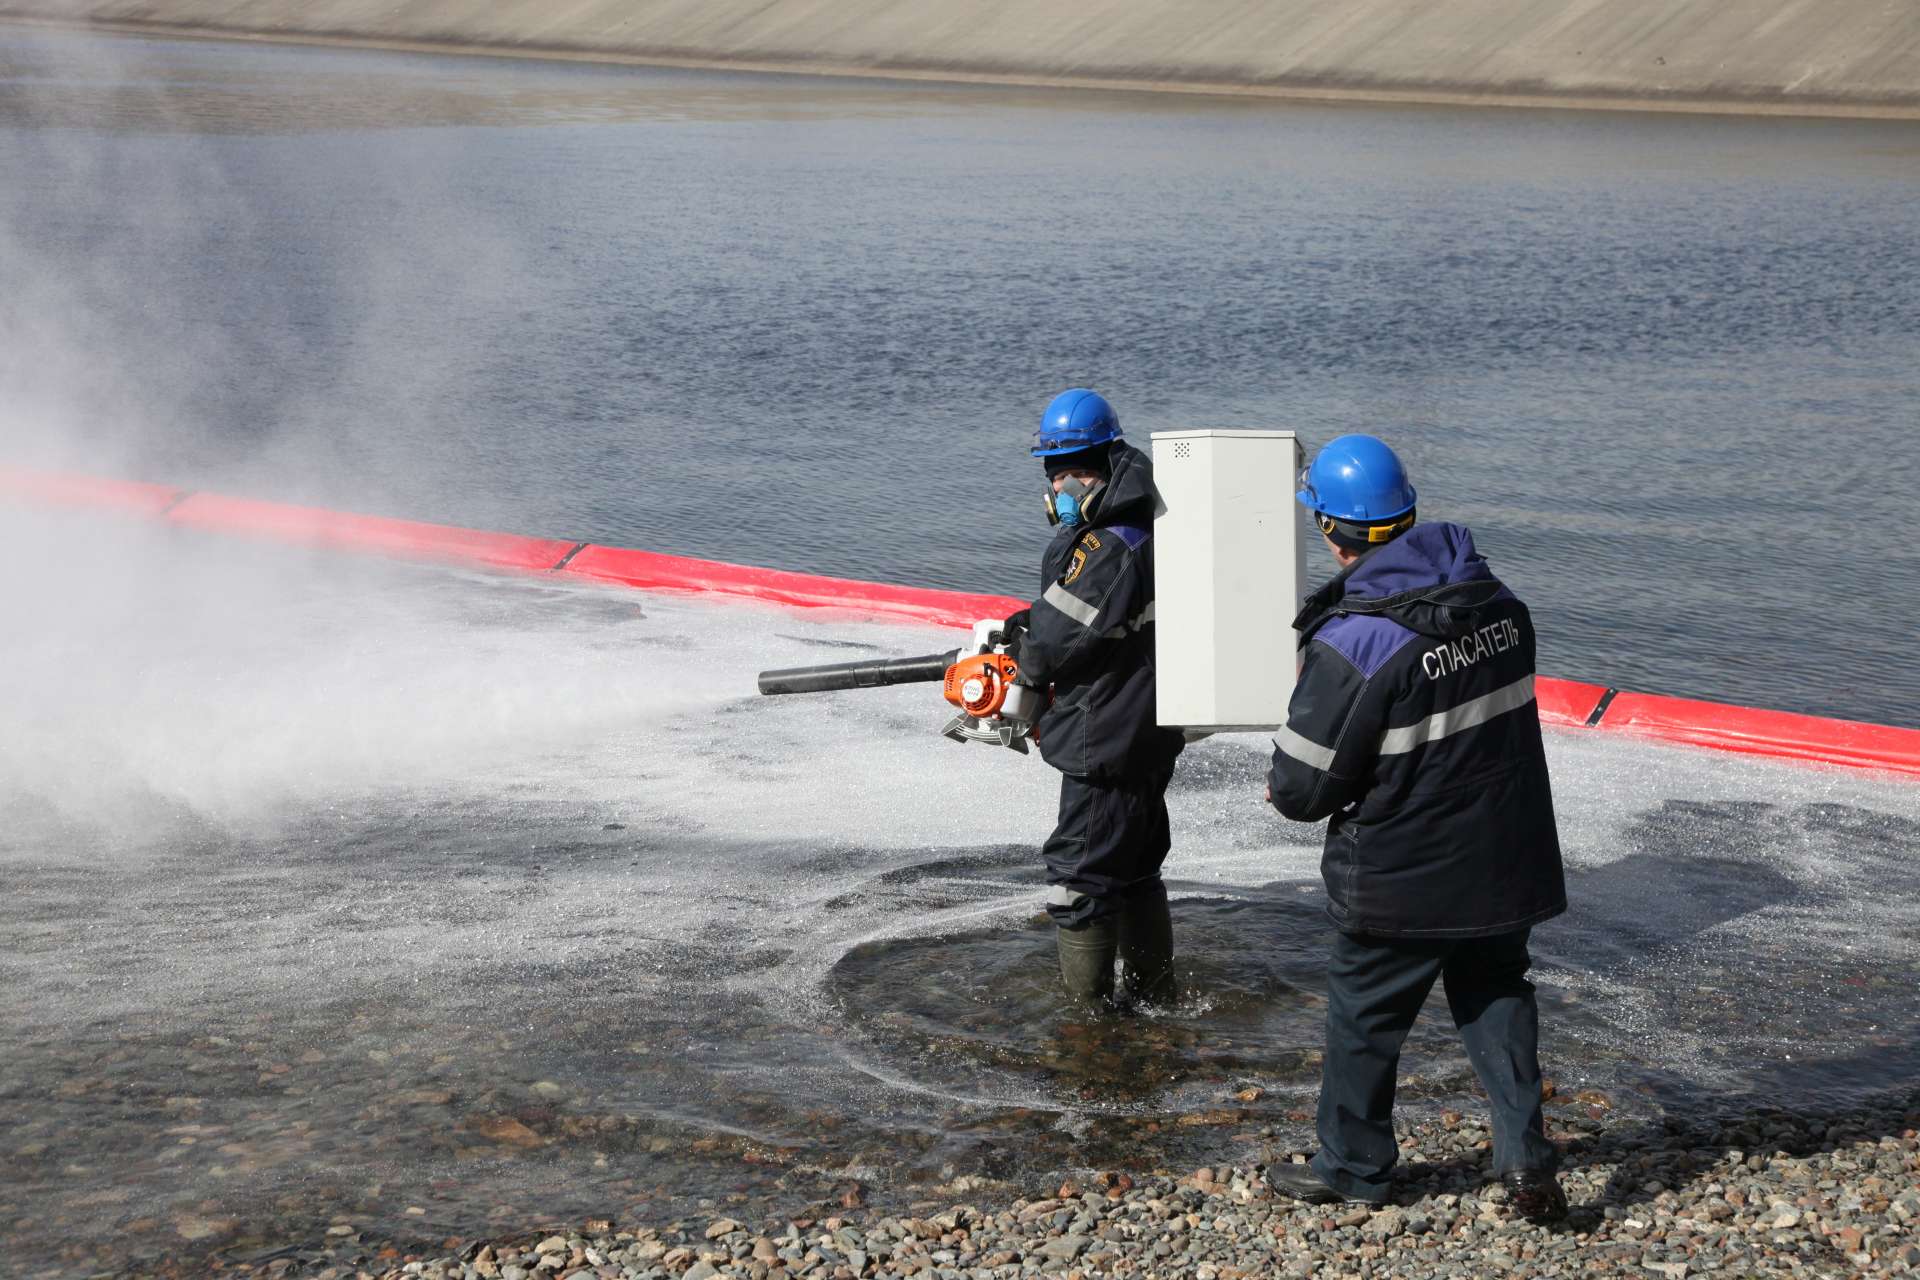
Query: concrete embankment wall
[1851, 57]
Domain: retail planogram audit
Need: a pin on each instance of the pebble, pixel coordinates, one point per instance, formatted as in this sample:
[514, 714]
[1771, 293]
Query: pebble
[1065, 1249]
[1765, 1194]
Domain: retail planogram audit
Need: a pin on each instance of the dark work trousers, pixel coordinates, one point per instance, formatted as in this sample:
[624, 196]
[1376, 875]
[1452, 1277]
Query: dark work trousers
[1111, 836]
[1375, 987]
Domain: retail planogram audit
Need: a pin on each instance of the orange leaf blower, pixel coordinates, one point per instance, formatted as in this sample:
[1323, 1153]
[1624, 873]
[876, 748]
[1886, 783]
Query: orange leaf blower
[979, 680]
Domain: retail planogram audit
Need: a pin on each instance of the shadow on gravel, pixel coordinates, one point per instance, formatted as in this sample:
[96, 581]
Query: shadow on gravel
[1648, 1160]
[1674, 1150]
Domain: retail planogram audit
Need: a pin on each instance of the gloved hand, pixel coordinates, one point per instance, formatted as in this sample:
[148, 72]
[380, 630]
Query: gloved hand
[1014, 629]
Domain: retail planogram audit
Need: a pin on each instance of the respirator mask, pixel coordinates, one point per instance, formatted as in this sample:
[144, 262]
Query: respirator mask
[1069, 506]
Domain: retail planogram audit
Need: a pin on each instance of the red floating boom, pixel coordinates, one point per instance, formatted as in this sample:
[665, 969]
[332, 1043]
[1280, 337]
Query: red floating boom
[1566, 703]
[652, 571]
[373, 535]
[64, 489]
[1756, 731]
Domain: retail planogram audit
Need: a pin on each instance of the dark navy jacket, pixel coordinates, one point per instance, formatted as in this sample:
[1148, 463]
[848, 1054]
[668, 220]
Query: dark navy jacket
[1090, 635]
[1414, 729]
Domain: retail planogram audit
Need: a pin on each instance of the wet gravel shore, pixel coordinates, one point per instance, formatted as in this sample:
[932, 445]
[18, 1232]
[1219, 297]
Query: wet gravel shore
[1764, 1193]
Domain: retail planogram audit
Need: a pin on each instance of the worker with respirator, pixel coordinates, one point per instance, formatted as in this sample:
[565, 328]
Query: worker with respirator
[1089, 638]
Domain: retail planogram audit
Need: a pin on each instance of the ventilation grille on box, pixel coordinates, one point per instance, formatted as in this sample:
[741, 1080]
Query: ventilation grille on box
[1181, 448]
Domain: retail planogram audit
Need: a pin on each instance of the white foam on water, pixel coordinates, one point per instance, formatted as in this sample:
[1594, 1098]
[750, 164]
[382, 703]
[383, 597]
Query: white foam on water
[362, 761]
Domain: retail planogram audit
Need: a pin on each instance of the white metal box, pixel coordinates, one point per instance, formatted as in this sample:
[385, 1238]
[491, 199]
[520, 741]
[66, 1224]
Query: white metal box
[1229, 553]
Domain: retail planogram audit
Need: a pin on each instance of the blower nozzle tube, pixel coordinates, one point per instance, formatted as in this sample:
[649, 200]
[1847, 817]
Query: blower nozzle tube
[859, 675]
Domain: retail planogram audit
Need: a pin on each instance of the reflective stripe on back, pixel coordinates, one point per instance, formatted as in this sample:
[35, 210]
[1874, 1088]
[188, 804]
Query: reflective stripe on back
[1442, 724]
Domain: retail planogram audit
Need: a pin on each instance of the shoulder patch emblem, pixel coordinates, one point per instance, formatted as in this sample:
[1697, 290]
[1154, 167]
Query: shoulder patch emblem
[1090, 540]
[1073, 570]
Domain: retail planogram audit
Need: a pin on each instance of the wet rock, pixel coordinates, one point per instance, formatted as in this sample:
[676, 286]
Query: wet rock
[507, 1130]
[192, 1227]
[1213, 1117]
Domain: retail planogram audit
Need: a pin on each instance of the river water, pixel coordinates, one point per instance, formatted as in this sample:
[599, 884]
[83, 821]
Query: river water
[424, 904]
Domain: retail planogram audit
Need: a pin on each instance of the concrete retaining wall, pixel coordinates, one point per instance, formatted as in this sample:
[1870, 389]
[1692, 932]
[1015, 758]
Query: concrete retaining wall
[1853, 57]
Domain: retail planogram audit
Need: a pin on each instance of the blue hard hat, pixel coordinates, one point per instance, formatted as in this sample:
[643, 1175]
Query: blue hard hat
[1075, 420]
[1357, 479]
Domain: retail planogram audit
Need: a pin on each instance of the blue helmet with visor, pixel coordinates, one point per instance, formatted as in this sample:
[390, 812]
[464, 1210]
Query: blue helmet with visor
[1075, 421]
[1076, 433]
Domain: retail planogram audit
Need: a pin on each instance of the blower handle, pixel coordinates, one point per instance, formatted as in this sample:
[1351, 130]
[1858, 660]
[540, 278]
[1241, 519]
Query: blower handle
[859, 675]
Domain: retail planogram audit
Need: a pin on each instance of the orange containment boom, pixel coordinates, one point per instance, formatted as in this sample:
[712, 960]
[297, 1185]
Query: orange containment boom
[1568, 704]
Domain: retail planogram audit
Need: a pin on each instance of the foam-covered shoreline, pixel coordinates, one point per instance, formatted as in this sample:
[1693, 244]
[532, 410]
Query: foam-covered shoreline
[1765, 57]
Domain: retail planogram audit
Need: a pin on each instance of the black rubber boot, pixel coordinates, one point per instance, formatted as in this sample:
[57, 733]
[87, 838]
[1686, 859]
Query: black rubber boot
[1086, 958]
[1146, 946]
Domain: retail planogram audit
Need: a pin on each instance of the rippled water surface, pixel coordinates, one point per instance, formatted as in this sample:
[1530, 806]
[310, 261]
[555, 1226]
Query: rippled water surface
[1665, 367]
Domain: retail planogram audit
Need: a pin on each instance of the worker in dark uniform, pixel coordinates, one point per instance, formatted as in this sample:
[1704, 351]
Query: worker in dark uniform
[1413, 730]
[1090, 637]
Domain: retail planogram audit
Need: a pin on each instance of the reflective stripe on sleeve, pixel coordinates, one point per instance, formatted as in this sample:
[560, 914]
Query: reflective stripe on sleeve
[1071, 605]
[1442, 724]
[1305, 750]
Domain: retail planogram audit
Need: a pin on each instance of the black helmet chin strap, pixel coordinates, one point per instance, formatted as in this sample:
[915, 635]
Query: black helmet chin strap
[1359, 537]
